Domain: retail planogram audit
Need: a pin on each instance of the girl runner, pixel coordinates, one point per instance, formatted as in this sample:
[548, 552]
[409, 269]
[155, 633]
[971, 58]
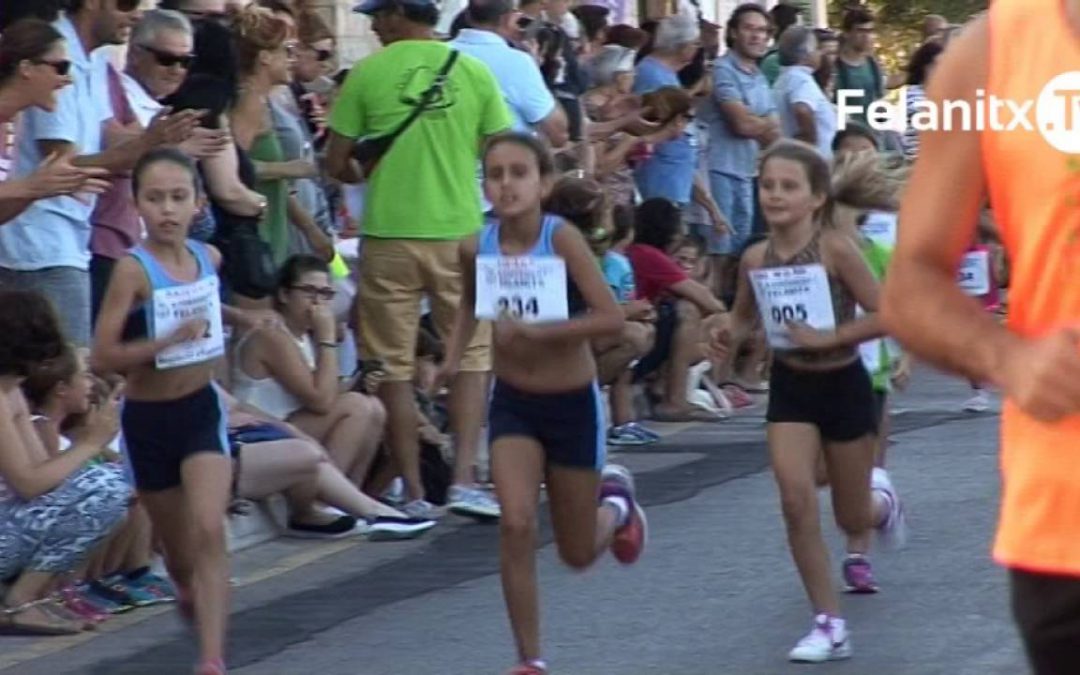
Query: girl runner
[161, 325]
[820, 397]
[546, 417]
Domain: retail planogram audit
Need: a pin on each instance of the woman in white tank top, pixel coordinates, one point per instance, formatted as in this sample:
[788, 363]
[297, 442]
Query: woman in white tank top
[291, 371]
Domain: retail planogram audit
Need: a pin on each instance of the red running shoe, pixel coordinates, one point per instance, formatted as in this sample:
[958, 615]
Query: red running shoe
[213, 667]
[530, 668]
[630, 539]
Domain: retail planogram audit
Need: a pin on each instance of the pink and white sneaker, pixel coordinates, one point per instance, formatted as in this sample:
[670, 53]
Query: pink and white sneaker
[827, 641]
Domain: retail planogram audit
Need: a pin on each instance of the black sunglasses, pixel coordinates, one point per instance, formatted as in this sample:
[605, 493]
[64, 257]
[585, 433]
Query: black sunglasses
[169, 60]
[315, 291]
[62, 68]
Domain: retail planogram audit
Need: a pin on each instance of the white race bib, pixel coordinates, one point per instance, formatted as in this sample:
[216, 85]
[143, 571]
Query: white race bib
[177, 305]
[880, 228]
[530, 288]
[974, 273]
[797, 293]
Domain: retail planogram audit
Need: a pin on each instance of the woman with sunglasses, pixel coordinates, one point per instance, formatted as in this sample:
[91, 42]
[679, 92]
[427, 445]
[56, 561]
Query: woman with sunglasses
[33, 67]
[290, 370]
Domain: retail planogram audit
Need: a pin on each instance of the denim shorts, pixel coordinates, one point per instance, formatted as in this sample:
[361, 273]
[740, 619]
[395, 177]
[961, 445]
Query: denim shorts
[735, 197]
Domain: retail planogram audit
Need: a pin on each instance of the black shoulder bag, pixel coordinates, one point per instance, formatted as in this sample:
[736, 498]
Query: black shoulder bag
[368, 151]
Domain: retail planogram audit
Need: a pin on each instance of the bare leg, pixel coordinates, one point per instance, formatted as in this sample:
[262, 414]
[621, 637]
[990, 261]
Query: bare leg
[140, 549]
[401, 433]
[794, 450]
[517, 465]
[685, 352]
[849, 470]
[467, 409]
[351, 431]
[583, 530]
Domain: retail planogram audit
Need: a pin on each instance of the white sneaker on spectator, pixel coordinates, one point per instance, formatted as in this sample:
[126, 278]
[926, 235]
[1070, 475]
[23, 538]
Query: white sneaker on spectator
[421, 510]
[470, 501]
[979, 403]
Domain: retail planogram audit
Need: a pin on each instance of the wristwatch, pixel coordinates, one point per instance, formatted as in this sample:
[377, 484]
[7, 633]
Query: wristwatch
[263, 203]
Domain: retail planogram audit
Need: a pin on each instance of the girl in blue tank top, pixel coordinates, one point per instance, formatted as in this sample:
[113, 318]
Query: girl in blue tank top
[546, 418]
[173, 421]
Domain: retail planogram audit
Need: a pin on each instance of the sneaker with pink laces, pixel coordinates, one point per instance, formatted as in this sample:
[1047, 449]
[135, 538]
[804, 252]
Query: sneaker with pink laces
[859, 575]
[535, 667]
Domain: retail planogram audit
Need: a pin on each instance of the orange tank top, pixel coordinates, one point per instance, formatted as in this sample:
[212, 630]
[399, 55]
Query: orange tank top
[1035, 193]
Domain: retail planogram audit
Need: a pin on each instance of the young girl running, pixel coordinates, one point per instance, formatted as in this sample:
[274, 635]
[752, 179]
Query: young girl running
[820, 399]
[161, 325]
[538, 280]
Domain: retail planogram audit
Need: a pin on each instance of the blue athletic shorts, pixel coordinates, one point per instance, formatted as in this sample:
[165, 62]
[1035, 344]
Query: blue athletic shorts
[571, 426]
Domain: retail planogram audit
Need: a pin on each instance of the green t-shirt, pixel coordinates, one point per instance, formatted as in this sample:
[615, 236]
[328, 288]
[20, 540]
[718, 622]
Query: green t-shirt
[877, 258]
[770, 67]
[425, 186]
[865, 77]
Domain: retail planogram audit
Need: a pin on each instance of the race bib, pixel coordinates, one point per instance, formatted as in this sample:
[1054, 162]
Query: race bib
[880, 228]
[798, 293]
[529, 288]
[974, 273]
[177, 305]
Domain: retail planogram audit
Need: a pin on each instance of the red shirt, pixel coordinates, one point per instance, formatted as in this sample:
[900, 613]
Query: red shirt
[654, 271]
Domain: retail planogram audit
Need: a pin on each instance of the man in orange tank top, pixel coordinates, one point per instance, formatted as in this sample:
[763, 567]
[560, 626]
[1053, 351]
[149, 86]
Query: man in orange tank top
[1031, 175]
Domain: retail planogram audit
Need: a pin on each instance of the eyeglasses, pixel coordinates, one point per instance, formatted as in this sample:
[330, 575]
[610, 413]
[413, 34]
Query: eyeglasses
[62, 68]
[167, 59]
[313, 292]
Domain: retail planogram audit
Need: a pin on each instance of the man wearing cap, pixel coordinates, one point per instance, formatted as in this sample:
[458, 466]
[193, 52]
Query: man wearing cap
[492, 23]
[422, 199]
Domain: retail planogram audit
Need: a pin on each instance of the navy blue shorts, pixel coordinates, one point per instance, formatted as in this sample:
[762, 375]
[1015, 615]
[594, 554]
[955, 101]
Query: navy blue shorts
[160, 435]
[569, 425]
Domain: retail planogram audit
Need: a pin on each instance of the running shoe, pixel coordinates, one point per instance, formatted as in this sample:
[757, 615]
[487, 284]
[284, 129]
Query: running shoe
[343, 526]
[979, 403]
[214, 667]
[859, 575]
[643, 431]
[473, 502]
[421, 509]
[76, 603]
[893, 530]
[391, 528]
[530, 668]
[631, 538]
[139, 596]
[625, 436]
[112, 598]
[827, 641]
[158, 586]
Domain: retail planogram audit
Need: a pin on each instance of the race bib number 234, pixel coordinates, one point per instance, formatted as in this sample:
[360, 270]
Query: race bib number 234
[528, 288]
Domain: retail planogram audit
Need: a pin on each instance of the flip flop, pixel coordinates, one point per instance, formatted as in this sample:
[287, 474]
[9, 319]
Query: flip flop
[10, 625]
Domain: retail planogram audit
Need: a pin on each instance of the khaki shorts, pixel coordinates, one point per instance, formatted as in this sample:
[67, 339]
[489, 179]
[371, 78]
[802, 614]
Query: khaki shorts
[395, 274]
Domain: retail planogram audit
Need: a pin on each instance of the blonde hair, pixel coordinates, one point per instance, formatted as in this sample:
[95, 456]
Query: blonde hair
[255, 30]
[866, 181]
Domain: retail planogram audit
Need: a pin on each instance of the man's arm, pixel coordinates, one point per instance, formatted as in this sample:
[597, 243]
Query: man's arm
[922, 304]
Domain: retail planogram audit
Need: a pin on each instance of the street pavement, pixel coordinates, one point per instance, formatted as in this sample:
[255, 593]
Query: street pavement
[715, 593]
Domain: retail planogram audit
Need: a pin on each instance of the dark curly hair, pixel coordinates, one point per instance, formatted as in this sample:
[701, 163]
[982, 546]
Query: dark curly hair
[45, 376]
[657, 223]
[30, 332]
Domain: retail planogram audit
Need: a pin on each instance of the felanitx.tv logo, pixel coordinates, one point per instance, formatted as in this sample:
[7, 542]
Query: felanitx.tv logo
[1055, 113]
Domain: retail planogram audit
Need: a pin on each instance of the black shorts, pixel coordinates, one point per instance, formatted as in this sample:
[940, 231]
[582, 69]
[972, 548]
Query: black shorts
[840, 402]
[159, 435]
[1047, 612]
[569, 425]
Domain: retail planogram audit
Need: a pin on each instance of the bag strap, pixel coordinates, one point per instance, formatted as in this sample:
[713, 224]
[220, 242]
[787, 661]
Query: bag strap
[428, 97]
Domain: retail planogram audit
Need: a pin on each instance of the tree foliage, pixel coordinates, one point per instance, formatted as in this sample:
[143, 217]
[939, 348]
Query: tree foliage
[899, 22]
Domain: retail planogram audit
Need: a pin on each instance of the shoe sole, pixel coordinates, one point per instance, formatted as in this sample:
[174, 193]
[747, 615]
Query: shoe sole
[861, 590]
[472, 512]
[397, 534]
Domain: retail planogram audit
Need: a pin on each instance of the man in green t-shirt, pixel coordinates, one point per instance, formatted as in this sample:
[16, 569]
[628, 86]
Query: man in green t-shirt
[422, 198]
[784, 15]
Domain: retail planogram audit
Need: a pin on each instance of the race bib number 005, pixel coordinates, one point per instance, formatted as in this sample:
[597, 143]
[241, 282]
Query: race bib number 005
[974, 273]
[798, 293]
[175, 306]
[531, 289]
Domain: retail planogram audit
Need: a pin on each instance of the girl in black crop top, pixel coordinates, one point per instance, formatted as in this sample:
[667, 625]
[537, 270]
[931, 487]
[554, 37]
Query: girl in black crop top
[820, 396]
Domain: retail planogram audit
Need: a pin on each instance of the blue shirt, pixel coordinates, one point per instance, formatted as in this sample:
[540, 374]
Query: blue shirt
[56, 232]
[669, 173]
[619, 274]
[516, 72]
[730, 153]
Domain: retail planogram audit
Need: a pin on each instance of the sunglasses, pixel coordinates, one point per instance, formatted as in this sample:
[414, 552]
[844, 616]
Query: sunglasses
[62, 68]
[168, 60]
[316, 292]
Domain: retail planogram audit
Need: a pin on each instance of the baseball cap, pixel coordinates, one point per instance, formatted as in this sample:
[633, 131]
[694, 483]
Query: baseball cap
[372, 6]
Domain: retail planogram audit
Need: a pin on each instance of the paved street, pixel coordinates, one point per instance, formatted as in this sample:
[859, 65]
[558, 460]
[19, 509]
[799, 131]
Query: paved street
[716, 592]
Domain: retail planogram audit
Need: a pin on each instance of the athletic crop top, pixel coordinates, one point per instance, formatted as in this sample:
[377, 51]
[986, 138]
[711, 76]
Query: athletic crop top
[842, 301]
[544, 247]
[1034, 190]
[142, 322]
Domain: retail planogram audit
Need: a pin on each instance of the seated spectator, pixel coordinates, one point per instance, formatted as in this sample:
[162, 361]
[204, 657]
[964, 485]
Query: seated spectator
[854, 138]
[117, 576]
[290, 371]
[272, 456]
[41, 496]
[684, 307]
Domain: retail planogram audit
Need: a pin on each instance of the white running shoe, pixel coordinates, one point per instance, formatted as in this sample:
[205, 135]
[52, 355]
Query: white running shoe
[979, 403]
[473, 502]
[827, 641]
[893, 531]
